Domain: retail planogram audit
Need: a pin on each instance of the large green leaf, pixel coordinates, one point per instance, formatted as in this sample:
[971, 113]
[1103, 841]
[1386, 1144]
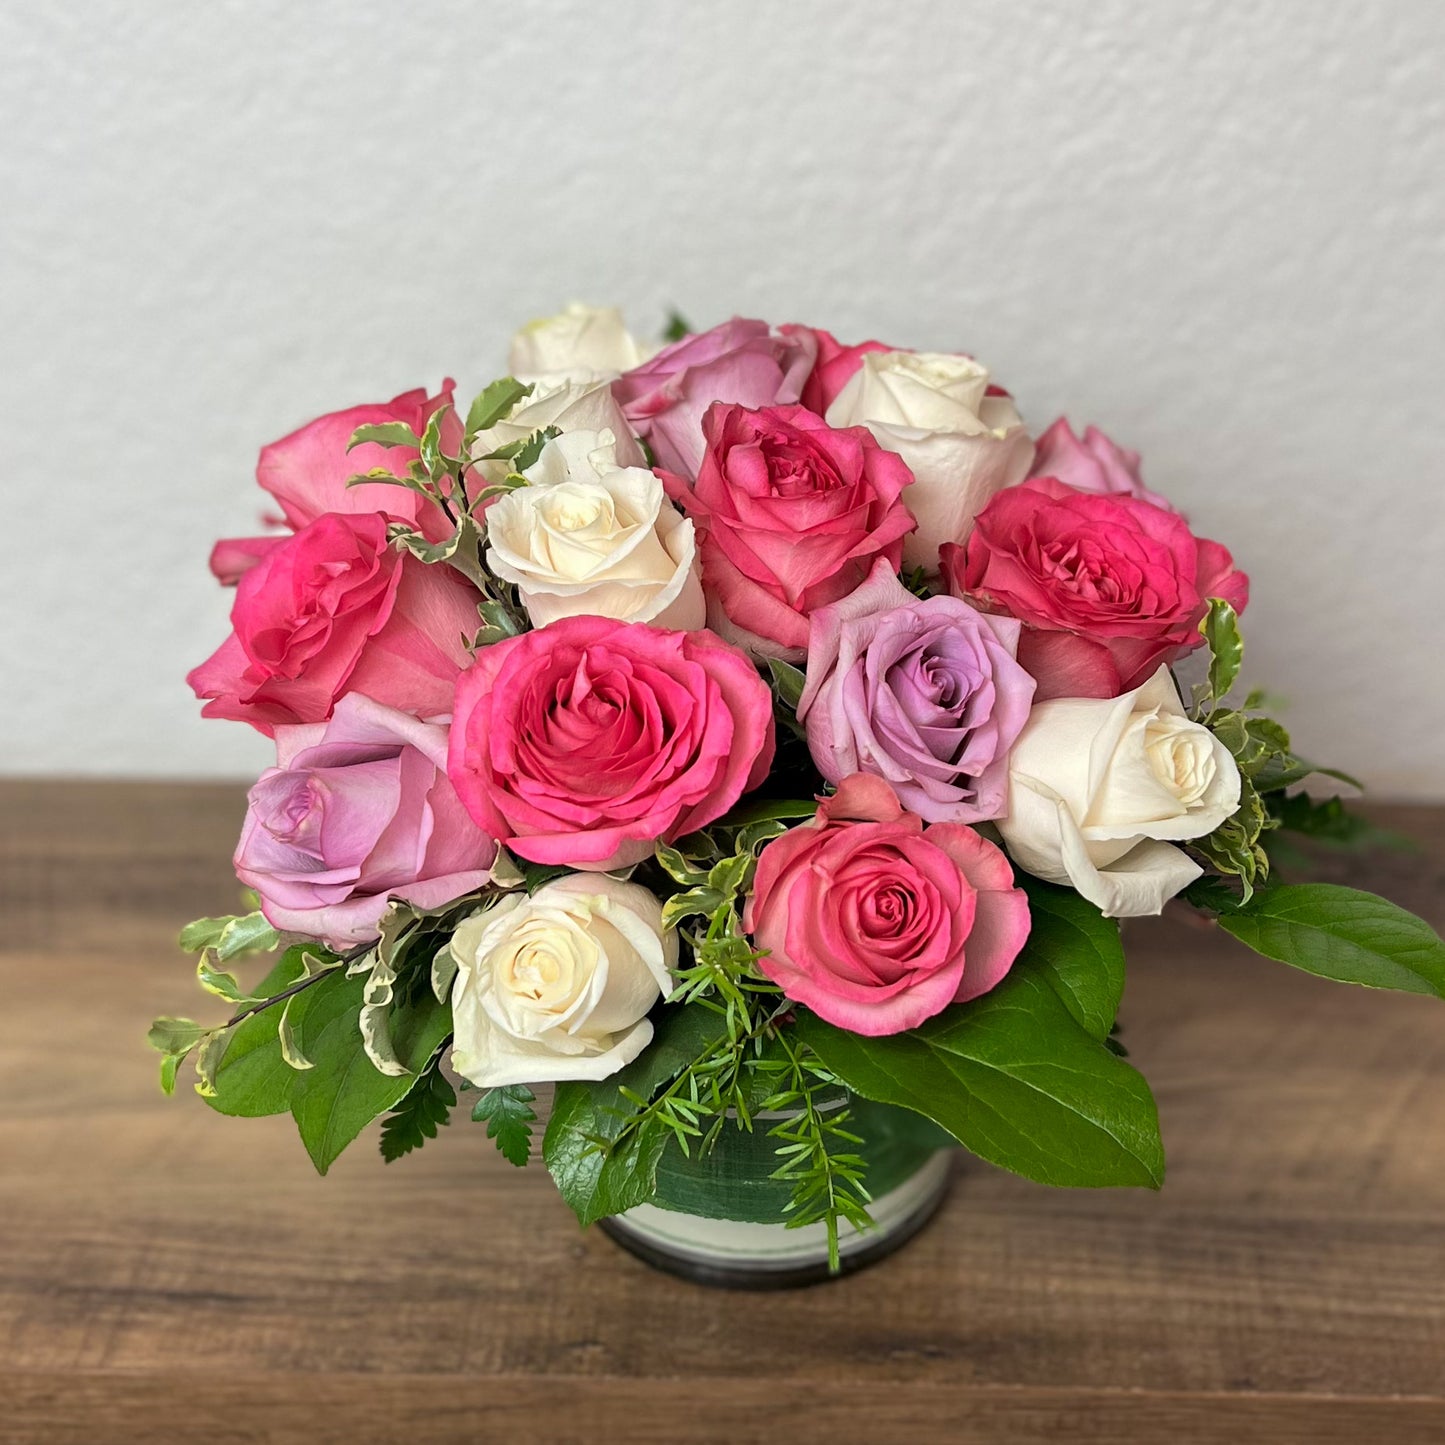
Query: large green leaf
[1014, 1078]
[1077, 951]
[1226, 648]
[1344, 934]
[253, 1079]
[595, 1179]
[343, 1091]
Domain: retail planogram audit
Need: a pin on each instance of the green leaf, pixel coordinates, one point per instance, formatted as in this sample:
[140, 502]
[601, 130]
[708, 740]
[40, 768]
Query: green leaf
[766, 811]
[420, 1114]
[244, 933]
[524, 454]
[493, 403]
[175, 1036]
[1286, 772]
[252, 1079]
[169, 1066]
[1014, 1078]
[1221, 630]
[1076, 950]
[384, 434]
[343, 1092]
[218, 981]
[1344, 934]
[693, 900]
[438, 465]
[508, 1114]
[595, 1179]
[788, 681]
[678, 868]
[677, 327]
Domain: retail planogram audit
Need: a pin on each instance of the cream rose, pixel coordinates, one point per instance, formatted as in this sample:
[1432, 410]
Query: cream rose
[558, 985]
[579, 343]
[961, 444]
[1101, 788]
[568, 406]
[589, 536]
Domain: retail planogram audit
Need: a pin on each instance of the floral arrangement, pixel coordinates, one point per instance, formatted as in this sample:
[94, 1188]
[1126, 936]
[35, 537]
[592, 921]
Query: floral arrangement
[703, 730]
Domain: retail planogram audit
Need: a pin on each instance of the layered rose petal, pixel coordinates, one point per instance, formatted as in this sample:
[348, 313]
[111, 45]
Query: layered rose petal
[335, 609]
[1103, 583]
[791, 515]
[877, 923]
[740, 362]
[923, 692]
[1092, 463]
[589, 741]
[357, 812]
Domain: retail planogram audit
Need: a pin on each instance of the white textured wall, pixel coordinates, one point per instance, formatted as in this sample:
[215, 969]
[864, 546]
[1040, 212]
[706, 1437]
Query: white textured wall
[1214, 228]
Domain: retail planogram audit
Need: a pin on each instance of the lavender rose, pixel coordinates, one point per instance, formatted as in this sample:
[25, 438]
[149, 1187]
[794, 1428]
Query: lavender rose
[743, 362]
[1092, 463]
[357, 811]
[925, 693]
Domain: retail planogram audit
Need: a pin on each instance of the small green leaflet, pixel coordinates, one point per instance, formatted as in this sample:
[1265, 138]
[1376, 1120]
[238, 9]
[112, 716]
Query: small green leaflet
[508, 1114]
[788, 681]
[384, 434]
[245, 933]
[1343, 934]
[1221, 630]
[495, 402]
[678, 326]
[1015, 1079]
[418, 1117]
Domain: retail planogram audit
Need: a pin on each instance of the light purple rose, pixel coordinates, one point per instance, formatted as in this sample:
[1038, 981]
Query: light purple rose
[356, 812]
[925, 693]
[1092, 463]
[742, 362]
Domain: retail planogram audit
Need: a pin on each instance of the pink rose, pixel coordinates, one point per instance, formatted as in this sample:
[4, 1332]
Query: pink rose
[588, 741]
[877, 923]
[834, 367]
[332, 610]
[790, 515]
[356, 812]
[740, 361]
[1108, 587]
[306, 472]
[923, 692]
[1093, 464]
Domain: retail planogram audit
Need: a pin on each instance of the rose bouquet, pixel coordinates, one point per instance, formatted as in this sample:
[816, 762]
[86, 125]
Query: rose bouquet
[754, 740]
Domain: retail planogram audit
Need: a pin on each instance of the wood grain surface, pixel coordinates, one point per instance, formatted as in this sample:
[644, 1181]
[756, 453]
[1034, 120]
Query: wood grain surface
[166, 1274]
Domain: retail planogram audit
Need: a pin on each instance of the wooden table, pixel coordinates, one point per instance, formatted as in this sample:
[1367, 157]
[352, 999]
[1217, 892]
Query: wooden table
[166, 1275]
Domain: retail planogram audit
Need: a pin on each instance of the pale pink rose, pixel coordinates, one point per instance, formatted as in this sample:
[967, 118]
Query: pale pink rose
[877, 923]
[741, 361]
[588, 741]
[790, 515]
[1092, 463]
[333, 610]
[358, 811]
[307, 471]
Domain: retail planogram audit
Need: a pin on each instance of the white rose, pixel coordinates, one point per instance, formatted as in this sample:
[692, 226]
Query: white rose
[580, 343]
[1100, 788]
[558, 985]
[568, 406]
[961, 444]
[588, 536]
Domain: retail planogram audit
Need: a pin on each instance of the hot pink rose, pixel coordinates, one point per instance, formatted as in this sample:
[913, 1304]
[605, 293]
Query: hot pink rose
[588, 741]
[875, 922]
[332, 610]
[1108, 587]
[835, 364]
[306, 472]
[1092, 464]
[790, 514]
[358, 811]
[740, 361]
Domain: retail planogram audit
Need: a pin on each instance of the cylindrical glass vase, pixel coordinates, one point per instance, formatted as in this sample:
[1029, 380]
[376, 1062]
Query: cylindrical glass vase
[719, 1218]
